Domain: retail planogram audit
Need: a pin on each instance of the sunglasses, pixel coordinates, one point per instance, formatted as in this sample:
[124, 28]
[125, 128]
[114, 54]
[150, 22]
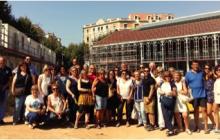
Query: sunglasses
[54, 88]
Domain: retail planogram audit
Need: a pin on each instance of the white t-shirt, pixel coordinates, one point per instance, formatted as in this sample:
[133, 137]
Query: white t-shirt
[217, 91]
[124, 87]
[35, 103]
[166, 88]
[45, 83]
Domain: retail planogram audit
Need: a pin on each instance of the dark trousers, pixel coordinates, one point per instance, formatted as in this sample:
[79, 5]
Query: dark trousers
[129, 108]
[168, 113]
[34, 117]
[19, 108]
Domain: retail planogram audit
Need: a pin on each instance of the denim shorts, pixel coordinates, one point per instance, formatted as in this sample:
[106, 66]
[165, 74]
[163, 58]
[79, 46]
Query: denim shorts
[100, 102]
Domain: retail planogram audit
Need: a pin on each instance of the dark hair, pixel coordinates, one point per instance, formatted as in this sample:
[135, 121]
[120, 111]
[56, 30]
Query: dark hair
[23, 64]
[195, 61]
[217, 67]
[124, 71]
[166, 73]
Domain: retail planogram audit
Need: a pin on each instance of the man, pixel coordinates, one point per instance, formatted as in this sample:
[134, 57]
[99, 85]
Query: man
[124, 67]
[149, 98]
[195, 81]
[5, 75]
[153, 68]
[32, 68]
[75, 64]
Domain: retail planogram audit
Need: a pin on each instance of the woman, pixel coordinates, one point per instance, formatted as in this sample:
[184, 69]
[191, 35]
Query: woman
[124, 91]
[168, 90]
[35, 108]
[100, 91]
[61, 80]
[209, 85]
[21, 86]
[44, 82]
[56, 104]
[217, 99]
[113, 101]
[73, 93]
[86, 99]
[181, 106]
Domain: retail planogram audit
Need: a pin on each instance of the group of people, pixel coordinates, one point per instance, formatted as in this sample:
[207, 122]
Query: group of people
[156, 98]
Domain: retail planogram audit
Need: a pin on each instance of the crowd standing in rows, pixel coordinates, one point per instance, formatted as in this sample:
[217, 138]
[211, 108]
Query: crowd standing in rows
[156, 98]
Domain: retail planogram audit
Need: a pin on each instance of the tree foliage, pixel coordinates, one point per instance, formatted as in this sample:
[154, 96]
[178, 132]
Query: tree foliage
[25, 25]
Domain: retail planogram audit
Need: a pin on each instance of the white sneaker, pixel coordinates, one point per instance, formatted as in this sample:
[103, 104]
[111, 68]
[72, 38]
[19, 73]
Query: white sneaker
[188, 132]
[26, 122]
[216, 131]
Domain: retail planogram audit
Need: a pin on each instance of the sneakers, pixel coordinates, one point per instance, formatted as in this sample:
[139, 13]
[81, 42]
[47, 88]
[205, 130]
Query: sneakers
[216, 131]
[127, 124]
[206, 131]
[171, 133]
[2, 122]
[150, 128]
[139, 125]
[196, 130]
[118, 125]
[188, 132]
[26, 122]
[162, 128]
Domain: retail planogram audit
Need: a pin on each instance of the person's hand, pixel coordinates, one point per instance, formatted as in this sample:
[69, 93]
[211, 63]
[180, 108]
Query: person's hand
[73, 96]
[147, 100]
[129, 99]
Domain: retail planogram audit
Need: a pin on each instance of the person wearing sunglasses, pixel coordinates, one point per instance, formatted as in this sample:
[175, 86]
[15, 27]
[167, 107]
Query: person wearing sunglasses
[100, 91]
[44, 82]
[168, 93]
[209, 85]
[125, 90]
[56, 105]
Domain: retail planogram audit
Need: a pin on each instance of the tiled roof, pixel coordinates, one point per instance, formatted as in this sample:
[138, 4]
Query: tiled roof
[172, 30]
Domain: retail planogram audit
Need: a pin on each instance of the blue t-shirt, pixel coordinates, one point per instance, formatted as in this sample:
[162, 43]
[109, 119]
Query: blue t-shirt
[195, 81]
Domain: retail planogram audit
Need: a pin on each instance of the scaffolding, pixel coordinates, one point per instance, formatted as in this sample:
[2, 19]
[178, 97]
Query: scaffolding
[175, 52]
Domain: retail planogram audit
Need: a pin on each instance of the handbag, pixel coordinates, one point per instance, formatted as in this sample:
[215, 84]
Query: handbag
[20, 90]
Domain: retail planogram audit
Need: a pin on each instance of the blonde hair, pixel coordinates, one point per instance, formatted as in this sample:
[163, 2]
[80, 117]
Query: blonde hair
[45, 68]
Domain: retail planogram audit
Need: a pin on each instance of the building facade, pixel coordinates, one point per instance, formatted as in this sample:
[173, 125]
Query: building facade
[168, 43]
[15, 45]
[96, 31]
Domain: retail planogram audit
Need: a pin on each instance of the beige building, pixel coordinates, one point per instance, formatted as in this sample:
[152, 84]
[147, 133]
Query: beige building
[15, 45]
[96, 31]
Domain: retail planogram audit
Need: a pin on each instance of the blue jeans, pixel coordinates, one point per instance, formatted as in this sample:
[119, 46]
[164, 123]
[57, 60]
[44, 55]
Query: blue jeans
[19, 108]
[3, 103]
[141, 112]
[35, 117]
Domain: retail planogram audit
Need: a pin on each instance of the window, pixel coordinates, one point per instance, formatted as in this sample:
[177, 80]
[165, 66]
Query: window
[136, 25]
[136, 17]
[98, 28]
[125, 26]
[93, 29]
[87, 39]
[106, 27]
[101, 28]
[156, 17]
[169, 17]
[149, 17]
[87, 30]
[22, 42]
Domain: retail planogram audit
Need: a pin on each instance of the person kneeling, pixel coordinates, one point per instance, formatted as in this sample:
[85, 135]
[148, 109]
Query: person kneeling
[56, 105]
[35, 108]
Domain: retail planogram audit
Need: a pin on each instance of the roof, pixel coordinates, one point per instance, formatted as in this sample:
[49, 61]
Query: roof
[186, 26]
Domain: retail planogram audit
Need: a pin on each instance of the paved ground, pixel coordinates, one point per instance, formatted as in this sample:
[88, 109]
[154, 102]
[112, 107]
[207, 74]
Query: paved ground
[23, 131]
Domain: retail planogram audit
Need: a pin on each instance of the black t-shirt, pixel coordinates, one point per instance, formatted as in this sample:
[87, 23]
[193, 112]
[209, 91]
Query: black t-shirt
[147, 82]
[5, 74]
[102, 89]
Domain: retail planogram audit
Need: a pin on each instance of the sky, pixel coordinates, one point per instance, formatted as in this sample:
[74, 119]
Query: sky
[66, 18]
